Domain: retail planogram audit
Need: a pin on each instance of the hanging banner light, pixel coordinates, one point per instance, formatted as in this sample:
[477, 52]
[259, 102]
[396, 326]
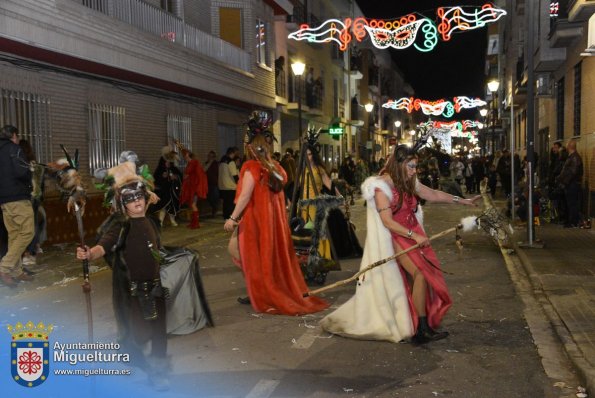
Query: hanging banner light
[410, 30]
[456, 18]
[461, 126]
[439, 107]
[467, 103]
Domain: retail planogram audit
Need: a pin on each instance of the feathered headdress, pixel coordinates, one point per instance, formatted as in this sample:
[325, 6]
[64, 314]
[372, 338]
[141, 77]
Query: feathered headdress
[312, 138]
[259, 123]
[68, 179]
[126, 176]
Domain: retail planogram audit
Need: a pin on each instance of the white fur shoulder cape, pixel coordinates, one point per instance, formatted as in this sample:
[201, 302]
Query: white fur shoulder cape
[379, 309]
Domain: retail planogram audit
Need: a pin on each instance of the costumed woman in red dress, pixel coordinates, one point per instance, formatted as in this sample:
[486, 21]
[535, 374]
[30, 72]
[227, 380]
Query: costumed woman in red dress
[194, 186]
[411, 302]
[263, 247]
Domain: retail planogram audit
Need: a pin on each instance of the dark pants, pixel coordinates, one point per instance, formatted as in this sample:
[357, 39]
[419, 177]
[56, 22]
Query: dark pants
[213, 198]
[506, 183]
[572, 192]
[469, 184]
[228, 197]
[3, 237]
[32, 248]
[154, 331]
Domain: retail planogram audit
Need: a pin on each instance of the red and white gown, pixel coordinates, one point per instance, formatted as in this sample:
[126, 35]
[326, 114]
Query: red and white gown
[382, 307]
[273, 276]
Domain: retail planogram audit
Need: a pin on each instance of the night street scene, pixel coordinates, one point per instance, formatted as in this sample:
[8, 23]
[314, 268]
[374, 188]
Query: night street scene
[297, 198]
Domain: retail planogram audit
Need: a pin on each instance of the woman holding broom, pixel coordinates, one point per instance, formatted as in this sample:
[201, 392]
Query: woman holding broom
[409, 297]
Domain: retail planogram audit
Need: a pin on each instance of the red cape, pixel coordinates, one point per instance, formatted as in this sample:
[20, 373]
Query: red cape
[273, 276]
[194, 183]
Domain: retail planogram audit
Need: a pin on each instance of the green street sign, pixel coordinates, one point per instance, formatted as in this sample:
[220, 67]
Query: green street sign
[336, 130]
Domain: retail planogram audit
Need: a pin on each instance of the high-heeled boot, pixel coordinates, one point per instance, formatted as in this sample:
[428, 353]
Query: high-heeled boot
[425, 333]
[194, 222]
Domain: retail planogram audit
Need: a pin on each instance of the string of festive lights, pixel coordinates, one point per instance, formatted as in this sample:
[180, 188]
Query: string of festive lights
[467, 103]
[456, 18]
[439, 107]
[410, 30]
[461, 126]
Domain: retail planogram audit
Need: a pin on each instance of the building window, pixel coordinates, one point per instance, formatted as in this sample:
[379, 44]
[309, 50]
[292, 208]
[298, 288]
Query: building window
[175, 7]
[179, 129]
[106, 135]
[261, 42]
[560, 109]
[30, 113]
[335, 98]
[167, 5]
[230, 25]
[577, 98]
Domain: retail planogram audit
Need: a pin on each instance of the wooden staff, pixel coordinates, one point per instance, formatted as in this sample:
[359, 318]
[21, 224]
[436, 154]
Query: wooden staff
[376, 264]
[86, 284]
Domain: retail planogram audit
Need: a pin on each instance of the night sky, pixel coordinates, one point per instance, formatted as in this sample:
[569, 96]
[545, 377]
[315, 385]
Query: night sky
[453, 68]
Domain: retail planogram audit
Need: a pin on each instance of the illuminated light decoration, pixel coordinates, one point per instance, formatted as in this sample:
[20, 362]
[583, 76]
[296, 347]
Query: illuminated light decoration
[455, 18]
[403, 36]
[467, 103]
[554, 9]
[405, 103]
[468, 124]
[451, 126]
[330, 30]
[449, 111]
[435, 108]
[454, 125]
[400, 33]
[461, 134]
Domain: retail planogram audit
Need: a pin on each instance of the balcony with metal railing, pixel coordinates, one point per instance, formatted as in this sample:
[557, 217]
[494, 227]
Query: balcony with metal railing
[280, 85]
[149, 18]
[298, 15]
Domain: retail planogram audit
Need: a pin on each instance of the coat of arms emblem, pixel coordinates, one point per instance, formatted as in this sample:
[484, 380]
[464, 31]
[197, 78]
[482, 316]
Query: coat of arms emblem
[30, 353]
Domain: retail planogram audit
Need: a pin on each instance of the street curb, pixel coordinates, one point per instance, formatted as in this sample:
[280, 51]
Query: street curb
[586, 372]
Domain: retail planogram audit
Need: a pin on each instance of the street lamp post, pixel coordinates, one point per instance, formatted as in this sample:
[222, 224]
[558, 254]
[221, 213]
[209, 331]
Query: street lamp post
[369, 108]
[399, 125]
[412, 133]
[483, 112]
[298, 68]
[493, 87]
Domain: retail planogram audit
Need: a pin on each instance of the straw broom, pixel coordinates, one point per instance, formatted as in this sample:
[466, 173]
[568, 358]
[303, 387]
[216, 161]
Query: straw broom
[466, 224]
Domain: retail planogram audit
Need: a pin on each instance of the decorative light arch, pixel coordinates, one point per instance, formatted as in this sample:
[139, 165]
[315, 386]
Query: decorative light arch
[439, 107]
[410, 30]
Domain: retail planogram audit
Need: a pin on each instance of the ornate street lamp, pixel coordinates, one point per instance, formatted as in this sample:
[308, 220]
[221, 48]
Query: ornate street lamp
[399, 125]
[298, 69]
[493, 86]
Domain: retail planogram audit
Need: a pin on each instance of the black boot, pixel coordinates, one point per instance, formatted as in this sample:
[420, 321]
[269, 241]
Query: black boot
[425, 333]
[244, 300]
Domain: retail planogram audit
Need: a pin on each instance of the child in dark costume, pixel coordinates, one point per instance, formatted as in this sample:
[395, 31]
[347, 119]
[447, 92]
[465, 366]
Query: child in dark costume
[138, 297]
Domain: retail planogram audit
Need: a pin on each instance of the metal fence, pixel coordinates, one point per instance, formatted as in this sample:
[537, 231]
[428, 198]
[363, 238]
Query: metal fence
[30, 113]
[106, 135]
[169, 27]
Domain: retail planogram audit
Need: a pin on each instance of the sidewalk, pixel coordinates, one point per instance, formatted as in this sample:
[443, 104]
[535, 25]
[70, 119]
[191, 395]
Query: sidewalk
[563, 271]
